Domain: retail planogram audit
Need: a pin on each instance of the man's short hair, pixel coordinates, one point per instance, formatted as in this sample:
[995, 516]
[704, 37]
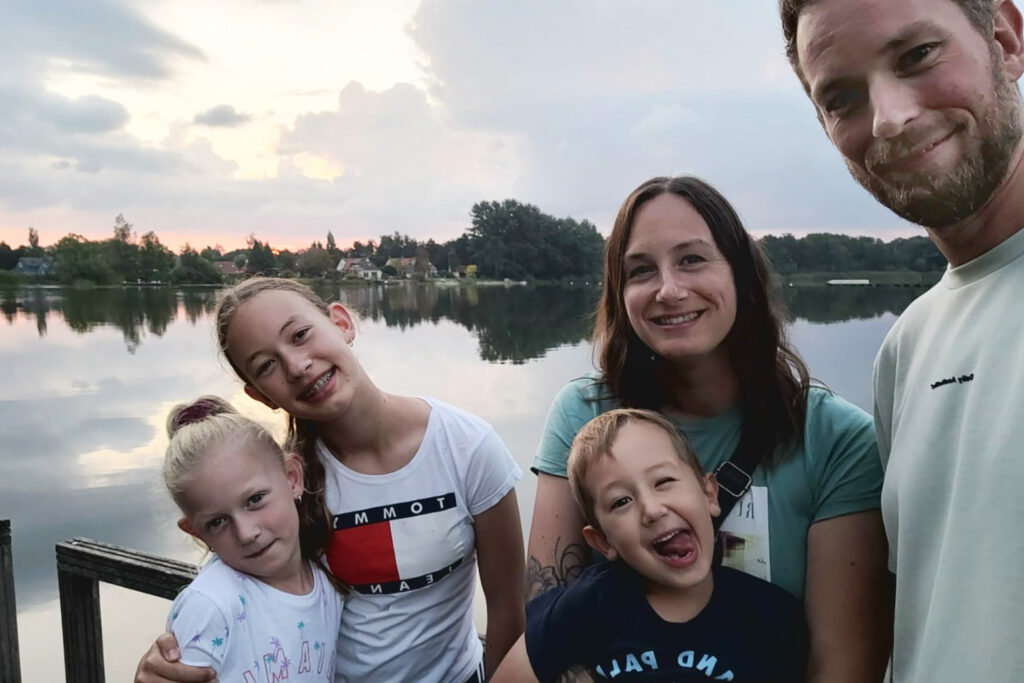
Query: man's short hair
[595, 439]
[979, 12]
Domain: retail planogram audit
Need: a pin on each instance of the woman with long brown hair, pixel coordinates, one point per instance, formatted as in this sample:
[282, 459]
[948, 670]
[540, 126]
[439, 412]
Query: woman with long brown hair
[689, 325]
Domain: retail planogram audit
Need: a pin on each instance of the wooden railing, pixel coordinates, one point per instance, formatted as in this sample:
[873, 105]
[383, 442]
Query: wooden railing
[81, 565]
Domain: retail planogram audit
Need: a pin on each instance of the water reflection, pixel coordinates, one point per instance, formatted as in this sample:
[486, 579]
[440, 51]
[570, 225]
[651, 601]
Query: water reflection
[81, 420]
[131, 310]
[838, 304]
[519, 323]
[511, 324]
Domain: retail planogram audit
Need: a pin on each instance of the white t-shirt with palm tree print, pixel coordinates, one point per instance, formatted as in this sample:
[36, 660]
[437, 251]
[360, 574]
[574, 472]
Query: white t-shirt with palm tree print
[250, 632]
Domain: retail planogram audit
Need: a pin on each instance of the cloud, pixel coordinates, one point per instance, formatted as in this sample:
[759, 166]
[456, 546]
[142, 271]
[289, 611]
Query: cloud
[49, 141]
[402, 165]
[103, 36]
[223, 116]
[36, 121]
[88, 114]
[602, 99]
[497, 62]
[562, 105]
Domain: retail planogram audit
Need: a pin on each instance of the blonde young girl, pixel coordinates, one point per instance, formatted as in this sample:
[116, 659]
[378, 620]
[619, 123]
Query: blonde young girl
[261, 609]
[420, 493]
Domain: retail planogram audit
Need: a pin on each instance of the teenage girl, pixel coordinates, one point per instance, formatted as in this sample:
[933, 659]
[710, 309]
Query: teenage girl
[419, 492]
[261, 609]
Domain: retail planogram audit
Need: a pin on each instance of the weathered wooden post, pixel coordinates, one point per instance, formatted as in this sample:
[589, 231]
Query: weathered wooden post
[10, 665]
[80, 622]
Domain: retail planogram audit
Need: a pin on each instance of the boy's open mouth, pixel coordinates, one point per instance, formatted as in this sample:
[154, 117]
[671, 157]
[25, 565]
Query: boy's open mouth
[679, 546]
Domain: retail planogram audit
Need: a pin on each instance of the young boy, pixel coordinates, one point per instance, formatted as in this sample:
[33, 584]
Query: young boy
[657, 610]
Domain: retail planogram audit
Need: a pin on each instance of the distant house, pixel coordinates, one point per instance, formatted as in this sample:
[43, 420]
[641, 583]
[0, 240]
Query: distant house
[406, 266]
[227, 267]
[35, 266]
[359, 267]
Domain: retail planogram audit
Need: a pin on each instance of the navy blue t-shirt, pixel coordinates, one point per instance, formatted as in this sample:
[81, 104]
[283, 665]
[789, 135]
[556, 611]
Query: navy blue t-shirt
[750, 630]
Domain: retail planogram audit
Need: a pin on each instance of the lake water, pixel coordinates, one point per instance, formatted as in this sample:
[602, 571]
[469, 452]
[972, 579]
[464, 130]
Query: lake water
[89, 376]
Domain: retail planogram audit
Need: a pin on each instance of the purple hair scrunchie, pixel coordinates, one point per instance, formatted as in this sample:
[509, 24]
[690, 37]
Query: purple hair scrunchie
[196, 412]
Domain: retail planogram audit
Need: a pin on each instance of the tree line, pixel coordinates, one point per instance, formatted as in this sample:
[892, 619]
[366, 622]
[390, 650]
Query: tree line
[506, 239]
[831, 253]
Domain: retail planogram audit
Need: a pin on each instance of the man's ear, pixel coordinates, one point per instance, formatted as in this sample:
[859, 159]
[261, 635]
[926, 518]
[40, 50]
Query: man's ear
[1007, 35]
[254, 393]
[187, 527]
[596, 539]
[342, 319]
[293, 469]
[711, 491]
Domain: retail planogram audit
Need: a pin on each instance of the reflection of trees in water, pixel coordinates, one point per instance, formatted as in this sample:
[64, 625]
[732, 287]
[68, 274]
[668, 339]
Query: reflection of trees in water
[131, 310]
[524, 323]
[198, 303]
[33, 303]
[519, 323]
[512, 324]
[837, 304]
[9, 303]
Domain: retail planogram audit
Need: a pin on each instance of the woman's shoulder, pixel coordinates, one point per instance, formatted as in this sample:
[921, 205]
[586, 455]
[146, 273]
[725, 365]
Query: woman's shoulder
[840, 455]
[830, 411]
[575, 404]
[589, 395]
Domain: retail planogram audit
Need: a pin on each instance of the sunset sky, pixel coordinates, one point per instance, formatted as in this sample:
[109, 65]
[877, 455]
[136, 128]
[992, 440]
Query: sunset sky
[206, 121]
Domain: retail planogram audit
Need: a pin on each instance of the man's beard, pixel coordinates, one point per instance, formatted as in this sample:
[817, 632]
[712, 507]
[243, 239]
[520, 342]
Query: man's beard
[938, 201]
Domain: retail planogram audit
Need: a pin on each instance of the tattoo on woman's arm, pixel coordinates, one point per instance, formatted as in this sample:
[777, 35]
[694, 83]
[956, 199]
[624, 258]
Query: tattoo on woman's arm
[569, 564]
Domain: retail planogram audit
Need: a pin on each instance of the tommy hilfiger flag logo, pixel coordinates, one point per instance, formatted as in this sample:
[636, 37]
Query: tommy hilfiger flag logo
[395, 548]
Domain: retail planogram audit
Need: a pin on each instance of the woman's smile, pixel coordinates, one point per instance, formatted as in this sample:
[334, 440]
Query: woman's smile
[677, 319]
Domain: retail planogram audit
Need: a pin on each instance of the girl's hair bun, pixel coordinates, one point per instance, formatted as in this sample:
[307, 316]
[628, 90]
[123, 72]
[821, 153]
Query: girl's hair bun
[197, 411]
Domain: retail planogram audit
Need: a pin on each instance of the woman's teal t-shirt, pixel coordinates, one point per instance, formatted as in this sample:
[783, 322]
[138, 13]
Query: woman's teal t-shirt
[835, 472]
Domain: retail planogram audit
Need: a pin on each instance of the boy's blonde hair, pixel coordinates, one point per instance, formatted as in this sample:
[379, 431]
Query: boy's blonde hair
[195, 428]
[595, 439]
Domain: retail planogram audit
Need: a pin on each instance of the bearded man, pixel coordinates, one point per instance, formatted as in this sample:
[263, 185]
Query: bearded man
[920, 98]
